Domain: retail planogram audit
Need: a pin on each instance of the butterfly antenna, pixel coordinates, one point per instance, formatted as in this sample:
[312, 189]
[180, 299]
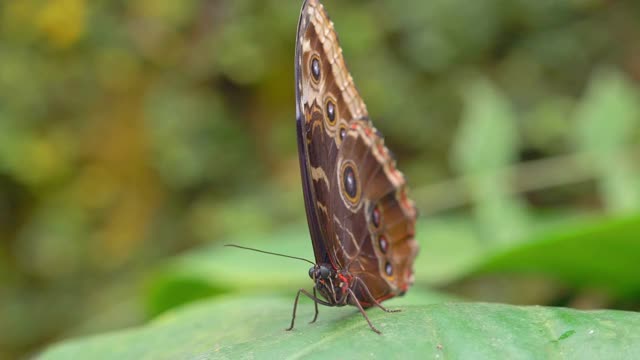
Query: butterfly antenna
[270, 253]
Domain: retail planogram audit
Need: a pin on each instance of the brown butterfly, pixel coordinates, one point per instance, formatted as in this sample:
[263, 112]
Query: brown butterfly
[360, 219]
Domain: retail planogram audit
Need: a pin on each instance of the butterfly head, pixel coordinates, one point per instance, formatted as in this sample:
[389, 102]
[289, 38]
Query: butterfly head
[320, 272]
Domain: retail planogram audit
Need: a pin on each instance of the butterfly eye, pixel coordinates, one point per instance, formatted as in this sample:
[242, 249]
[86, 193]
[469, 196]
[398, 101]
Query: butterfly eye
[350, 182]
[384, 245]
[331, 111]
[314, 66]
[375, 217]
[312, 271]
[343, 133]
[388, 269]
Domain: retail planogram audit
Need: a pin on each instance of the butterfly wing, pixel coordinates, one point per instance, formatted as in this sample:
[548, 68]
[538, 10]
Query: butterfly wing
[347, 172]
[321, 75]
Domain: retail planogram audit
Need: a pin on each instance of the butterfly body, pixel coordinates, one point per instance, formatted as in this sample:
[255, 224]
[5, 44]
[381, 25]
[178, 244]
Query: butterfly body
[331, 284]
[360, 219]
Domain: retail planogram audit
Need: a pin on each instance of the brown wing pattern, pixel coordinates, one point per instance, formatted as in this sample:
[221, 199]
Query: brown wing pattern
[381, 247]
[316, 39]
[354, 192]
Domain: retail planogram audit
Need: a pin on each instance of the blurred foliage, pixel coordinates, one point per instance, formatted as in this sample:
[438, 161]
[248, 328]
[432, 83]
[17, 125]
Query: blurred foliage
[133, 130]
[488, 141]
[612, 98]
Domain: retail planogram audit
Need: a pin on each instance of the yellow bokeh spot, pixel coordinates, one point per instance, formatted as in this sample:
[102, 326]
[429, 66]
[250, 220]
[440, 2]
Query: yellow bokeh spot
[62, 21]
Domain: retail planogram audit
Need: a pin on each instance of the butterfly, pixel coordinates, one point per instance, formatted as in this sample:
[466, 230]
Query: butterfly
[362, 223]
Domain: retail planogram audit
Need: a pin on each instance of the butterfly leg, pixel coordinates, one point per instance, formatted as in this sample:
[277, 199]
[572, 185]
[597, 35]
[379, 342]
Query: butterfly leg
[312, 297]
[315, 304]
[373, 300]
[357, 303]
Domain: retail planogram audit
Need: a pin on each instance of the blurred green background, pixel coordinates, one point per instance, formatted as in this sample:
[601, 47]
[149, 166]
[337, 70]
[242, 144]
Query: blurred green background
[136, 136]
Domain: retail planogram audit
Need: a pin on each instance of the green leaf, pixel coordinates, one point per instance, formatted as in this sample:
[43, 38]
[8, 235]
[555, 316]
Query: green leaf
[577, 251]
[601, 254]
[253, 327]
